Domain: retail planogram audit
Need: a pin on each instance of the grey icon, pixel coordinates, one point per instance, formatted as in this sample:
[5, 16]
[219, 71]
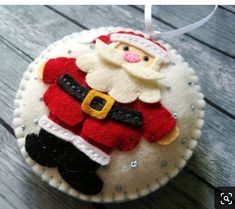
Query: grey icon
[226, 198]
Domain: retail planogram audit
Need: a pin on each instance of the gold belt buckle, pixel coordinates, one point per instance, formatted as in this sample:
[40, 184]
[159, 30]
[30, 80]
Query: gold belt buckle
[100, 114]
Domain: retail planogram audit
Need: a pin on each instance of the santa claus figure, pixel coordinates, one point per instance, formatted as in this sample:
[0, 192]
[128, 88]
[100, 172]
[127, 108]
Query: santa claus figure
[104, 100]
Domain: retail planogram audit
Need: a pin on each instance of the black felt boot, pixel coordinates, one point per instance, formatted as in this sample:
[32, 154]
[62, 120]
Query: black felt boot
[45, 148]
[79, 171]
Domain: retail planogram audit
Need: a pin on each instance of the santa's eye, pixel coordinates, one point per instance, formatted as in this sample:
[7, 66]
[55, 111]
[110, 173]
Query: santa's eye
[126, 48]
[146, 58]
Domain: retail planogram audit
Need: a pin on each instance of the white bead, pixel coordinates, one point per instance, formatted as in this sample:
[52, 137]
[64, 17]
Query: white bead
[96, 155]
[54, 128]
[66, 134]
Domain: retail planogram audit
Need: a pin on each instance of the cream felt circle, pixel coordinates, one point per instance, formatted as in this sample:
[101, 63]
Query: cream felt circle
[129, 174]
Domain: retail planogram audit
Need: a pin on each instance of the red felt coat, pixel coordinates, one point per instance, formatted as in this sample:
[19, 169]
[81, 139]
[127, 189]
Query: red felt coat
[106, 134]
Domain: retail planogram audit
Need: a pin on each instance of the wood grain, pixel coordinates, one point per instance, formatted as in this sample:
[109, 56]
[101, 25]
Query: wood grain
[192, 194]
[214, 157]
[12, 66]
[215, 33]
[32, 28]
[230, 8]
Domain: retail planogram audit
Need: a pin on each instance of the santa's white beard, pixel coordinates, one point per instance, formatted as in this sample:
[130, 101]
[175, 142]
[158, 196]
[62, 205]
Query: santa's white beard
[107, 72]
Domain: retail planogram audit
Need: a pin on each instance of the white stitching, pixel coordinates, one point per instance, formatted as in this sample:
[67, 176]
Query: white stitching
[148, 46]
[91, 151]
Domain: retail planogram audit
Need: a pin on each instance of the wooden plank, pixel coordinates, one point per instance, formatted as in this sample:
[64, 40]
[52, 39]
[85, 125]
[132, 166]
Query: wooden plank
[214, 157]
[12, 67]
[26, 181]
[20, 188]
[184, 191]
[218, 32]
[32, 28]
[230, 8]
[5, 202]
[214, 69]
[201, 168]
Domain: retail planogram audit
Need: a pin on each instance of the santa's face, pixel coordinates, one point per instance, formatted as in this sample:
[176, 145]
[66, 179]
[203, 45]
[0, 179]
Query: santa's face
[123, 71]
[131, 61]
[134, 55]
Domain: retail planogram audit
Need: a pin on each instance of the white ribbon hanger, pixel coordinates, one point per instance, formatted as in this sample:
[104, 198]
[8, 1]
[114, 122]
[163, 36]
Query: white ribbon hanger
[169, 34]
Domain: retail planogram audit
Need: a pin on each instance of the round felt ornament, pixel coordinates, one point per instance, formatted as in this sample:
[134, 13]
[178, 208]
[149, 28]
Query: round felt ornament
[108, 115]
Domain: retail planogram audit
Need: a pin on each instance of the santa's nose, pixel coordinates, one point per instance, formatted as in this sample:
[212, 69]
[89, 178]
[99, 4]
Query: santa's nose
[131, 57]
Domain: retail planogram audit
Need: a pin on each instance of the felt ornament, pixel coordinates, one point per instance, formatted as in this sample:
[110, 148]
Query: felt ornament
[101, 109]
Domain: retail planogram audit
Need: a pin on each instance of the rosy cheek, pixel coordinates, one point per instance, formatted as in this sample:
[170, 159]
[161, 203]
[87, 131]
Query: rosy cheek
[131, 57]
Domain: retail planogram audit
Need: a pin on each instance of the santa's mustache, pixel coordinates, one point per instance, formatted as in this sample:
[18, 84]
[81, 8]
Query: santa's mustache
[109, 53]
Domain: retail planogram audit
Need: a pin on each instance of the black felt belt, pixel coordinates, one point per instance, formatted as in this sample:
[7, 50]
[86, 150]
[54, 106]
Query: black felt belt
[117, 112]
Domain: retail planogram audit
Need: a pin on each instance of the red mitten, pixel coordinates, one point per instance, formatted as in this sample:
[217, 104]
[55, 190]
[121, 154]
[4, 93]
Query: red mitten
[55, 68]
[157, 120]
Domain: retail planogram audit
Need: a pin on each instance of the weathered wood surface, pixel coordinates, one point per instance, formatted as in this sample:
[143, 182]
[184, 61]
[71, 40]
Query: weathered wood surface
[214, 34]
[26, 30]
[229, 8]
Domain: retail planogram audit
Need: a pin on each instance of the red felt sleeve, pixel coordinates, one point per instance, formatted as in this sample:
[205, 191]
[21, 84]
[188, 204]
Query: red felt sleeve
[111, 134]
[63, 106]
[157, 120]
[55, 68]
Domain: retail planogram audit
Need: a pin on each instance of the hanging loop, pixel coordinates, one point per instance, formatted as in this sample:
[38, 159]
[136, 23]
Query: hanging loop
[169, 34]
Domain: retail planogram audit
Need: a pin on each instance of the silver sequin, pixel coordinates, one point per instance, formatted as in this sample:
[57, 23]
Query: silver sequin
[35, 121]
[183, 141]
[134, 163]
[168, 87]
[193, 108]
[105, 167]
[23, 127]
[163, 164]
[175, 115]
[92, 47]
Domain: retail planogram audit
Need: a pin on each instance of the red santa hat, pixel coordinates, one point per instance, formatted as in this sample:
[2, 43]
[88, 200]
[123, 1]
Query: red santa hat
[149, 46]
